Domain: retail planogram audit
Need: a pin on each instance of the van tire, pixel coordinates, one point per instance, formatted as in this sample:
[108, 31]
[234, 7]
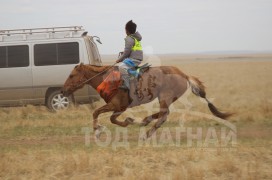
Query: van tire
[56, 101]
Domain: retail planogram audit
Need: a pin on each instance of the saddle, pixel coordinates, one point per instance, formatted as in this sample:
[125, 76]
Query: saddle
[138, 70]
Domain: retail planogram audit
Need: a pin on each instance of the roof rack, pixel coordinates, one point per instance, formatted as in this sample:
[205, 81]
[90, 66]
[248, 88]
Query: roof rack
[41, 30]
[13, 35]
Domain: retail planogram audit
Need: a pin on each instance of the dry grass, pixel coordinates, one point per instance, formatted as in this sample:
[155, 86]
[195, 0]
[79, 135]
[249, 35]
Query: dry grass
[36, 144]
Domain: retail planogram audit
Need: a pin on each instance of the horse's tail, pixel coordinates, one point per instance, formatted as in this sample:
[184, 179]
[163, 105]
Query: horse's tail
[199, 89]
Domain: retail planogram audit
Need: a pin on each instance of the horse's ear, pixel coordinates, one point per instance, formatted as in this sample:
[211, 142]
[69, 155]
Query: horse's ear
[80, 65]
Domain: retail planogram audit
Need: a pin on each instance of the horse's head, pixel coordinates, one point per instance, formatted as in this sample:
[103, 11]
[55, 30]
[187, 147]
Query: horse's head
[74, 81]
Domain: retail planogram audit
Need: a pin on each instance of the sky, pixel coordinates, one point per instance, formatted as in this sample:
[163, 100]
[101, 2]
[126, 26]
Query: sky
[167, 26]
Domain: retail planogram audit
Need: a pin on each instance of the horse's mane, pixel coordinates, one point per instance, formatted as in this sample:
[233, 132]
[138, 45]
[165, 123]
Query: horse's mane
[96, 68]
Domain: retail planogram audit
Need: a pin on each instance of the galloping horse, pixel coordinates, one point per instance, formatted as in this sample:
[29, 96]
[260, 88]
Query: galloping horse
[165, 83]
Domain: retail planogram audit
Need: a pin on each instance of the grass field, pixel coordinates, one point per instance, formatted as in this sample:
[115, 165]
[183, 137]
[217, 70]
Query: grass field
[37, 144]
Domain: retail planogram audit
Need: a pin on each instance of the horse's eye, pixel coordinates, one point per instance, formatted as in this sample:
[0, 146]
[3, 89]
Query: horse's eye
[70, 76]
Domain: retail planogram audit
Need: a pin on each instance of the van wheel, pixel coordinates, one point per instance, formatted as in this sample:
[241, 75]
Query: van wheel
[56, 101]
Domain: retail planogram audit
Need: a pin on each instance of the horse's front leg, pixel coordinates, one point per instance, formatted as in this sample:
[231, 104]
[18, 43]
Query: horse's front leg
[97, 128]
[114, 120]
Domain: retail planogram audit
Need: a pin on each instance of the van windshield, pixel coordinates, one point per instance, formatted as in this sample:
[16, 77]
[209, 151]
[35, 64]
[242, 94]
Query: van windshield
[94, 51]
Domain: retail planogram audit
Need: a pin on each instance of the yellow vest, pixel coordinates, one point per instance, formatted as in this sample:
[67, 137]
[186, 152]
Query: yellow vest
[137, 45]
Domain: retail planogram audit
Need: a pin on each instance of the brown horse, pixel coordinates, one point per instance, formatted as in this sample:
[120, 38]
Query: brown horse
[165, 83]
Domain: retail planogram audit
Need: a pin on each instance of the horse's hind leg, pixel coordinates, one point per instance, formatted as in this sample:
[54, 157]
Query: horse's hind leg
[148, 119]
[162, 117]
[164, 107]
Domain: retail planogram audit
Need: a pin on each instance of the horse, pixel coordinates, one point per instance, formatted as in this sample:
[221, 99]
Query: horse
[166, 83]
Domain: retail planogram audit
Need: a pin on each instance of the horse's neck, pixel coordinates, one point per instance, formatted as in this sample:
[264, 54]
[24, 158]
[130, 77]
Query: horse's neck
[96, 75]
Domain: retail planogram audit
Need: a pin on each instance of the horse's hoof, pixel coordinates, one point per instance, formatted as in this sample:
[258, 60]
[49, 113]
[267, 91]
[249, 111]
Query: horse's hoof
[98, 131]
[129, 120]
[150, 132]
[144, 138]
[97, 134]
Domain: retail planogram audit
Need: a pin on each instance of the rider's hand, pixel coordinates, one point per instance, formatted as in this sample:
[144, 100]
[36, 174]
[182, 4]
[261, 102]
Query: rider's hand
[120, 54]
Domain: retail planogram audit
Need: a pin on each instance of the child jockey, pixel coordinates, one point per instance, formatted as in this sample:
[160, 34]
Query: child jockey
[132, 55]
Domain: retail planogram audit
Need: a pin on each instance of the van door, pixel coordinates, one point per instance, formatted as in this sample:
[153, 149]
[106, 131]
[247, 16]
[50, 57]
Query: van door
[15, 75]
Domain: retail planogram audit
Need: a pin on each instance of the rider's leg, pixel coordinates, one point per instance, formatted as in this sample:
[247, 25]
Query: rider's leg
[123, 68]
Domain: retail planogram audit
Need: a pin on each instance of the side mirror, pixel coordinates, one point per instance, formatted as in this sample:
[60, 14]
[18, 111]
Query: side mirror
[97, 39]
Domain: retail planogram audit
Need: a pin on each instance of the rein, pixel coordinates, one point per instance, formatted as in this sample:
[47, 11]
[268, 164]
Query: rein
[84, 82]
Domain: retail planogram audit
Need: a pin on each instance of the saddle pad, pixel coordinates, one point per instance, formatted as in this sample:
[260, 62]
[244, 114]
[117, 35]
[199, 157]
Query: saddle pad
[139, 70]
[109, 87]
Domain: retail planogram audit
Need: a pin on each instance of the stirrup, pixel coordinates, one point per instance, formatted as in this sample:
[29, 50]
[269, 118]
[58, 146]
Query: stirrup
[123, 86]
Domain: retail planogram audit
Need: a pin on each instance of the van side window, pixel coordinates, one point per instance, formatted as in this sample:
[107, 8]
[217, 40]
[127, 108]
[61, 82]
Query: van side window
[56, 54]
[3, 56]
[14, 56]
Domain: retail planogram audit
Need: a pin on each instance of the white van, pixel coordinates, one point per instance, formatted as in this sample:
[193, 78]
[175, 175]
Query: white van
[34, 64]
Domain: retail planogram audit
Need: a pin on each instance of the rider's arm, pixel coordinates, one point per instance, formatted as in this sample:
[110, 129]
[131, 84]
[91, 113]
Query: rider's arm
[129, 43]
